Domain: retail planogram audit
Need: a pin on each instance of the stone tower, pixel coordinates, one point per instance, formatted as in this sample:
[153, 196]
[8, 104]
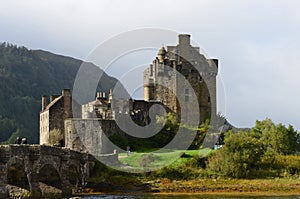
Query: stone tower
[162, 84]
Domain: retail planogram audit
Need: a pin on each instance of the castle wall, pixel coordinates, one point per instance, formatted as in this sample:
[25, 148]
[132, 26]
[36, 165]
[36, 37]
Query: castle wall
[56, 123]
[120, 106]
[44, 127]
[140, 111]
[90, 135]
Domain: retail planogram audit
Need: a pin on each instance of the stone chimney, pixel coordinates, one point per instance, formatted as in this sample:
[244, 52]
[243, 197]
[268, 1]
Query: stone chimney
[44, 102]
[184, 47]
[110, 97]
[99, 95]
[66, 94]
[184, 39]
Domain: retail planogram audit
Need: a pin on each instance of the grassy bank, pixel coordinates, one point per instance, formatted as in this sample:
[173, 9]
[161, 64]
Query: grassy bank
[187, 175]
[277, 186]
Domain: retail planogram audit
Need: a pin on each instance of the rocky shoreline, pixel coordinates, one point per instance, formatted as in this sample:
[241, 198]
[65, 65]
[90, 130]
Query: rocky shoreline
[22, 193]
[263, 187]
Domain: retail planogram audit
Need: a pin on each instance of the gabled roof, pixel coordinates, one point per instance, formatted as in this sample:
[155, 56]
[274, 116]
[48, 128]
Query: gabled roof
[99, 102]
[53, 102]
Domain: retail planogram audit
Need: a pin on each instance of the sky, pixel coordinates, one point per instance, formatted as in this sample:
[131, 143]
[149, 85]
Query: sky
[257, 43]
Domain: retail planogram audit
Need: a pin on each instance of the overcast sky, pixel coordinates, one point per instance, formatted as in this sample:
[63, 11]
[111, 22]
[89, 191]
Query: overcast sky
[257, 42]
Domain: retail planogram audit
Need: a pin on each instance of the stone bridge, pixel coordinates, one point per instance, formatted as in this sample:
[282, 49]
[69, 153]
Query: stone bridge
[27, 166]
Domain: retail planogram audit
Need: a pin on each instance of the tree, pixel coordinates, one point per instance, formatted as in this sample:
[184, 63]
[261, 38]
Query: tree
[294, 140]
[249, 154]
[170, 127]
[201, 133]
[277, 139]
[55, 137]
[239, 157]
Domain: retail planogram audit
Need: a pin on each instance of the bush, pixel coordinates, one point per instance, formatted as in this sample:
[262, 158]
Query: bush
[288, 165]
[146, 159]
[238, 158]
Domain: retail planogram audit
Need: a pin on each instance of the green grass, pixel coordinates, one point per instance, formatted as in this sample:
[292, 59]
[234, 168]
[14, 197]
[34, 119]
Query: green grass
[174, 157]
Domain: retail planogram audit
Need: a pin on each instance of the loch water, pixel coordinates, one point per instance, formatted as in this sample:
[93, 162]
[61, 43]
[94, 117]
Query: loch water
[192, 196]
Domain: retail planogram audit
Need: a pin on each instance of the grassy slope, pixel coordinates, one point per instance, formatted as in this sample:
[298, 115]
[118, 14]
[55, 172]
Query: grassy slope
[162, 159]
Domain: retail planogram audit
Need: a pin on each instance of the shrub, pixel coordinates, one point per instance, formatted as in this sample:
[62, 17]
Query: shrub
[238, 158]
[288, 165]
[146, 159]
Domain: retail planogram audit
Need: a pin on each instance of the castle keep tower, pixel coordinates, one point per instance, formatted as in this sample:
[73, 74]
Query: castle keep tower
[199, 71]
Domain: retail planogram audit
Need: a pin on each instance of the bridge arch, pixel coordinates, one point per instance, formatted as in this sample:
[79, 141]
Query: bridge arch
[48, 159]
[50, 176]
[16, 173]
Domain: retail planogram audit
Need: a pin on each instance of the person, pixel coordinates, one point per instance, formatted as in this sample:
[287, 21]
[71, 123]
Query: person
[128, 150]
[24, 141]
[18, 140]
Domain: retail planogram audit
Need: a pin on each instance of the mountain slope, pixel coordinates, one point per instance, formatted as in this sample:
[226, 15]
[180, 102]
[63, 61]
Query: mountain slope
[26, 75]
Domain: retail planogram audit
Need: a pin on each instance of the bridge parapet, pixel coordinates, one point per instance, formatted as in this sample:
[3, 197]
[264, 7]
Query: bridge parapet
[76, 155]
[8, 151]
[4, 154]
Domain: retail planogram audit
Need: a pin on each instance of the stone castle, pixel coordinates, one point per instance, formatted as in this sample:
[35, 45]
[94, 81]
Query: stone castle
[198, 71]
[162, 86]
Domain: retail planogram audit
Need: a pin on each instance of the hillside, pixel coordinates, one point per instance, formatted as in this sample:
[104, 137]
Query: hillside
[26, 75]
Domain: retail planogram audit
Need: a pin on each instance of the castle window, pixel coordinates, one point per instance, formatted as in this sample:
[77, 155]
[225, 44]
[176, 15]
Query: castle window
[208, 99]
[82, 125]
[118, 110]
[200, 78]
[179, 68]
[186, 91]
[160, 73]
[186, 99]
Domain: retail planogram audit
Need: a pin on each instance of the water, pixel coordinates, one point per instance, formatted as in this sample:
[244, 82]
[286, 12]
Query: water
[186, 197]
